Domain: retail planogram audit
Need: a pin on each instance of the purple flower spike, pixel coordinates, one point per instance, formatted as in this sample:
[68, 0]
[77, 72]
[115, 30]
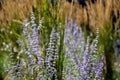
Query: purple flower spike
[52, 55]
[99, 68]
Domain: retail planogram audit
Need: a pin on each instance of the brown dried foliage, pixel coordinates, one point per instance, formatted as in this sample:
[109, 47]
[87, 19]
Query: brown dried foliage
[97, 14]
[14, 9]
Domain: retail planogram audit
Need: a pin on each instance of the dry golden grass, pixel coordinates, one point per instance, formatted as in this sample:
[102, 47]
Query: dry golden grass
[77, 12]
[97, 14]
[14, 9]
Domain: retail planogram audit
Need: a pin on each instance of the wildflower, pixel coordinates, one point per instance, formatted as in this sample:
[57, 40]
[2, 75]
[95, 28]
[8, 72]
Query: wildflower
[85, 68]
[32, 38]
[73, 40]
[84, 57]
[99, 68]
[69, 77]
[52, 55]
[40, 23]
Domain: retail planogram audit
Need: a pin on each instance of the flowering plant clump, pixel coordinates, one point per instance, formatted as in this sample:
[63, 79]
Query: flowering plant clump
[83, 59]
